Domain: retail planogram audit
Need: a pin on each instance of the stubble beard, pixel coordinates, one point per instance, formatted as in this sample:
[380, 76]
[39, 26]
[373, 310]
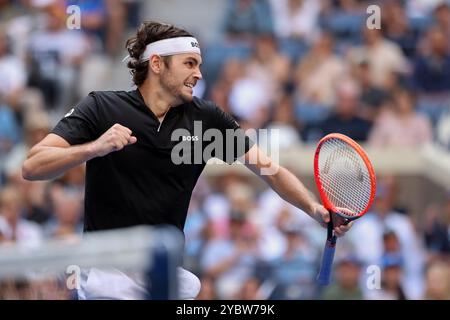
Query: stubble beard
[174, 89]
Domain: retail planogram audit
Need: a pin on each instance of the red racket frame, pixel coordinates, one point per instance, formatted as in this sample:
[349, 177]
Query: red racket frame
[327, 204]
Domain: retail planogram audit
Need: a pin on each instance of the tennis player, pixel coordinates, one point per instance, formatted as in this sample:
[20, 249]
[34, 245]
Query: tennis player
[126, 138]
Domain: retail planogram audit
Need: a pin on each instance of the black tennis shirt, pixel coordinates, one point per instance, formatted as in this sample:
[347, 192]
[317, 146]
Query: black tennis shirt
[140, 184]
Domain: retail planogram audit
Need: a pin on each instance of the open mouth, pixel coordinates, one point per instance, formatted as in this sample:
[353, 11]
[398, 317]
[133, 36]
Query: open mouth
[189, 85]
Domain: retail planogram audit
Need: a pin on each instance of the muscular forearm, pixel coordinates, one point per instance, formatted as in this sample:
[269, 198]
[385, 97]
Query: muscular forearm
[45, 162]
[54, 155]
[291, 189]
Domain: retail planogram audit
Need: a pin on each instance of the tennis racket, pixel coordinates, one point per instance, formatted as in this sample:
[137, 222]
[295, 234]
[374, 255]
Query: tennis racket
[346, 182]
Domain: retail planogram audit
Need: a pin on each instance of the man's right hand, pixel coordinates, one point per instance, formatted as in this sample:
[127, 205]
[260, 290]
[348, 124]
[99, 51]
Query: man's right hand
[321, 215]
[116, 138]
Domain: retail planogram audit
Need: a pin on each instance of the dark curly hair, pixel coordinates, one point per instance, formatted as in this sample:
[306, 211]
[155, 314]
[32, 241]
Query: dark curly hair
[148, 32]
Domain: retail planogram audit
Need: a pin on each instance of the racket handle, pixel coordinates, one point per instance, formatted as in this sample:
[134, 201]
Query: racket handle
[327, 262]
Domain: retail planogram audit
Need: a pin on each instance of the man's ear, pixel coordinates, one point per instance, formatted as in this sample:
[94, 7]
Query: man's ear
[155, 62]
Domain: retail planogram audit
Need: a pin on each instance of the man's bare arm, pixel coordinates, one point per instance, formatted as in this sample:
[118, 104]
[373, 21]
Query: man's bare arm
[288, 186]
[54, 155]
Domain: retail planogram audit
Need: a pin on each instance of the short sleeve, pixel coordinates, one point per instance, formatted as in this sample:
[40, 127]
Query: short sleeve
[81, 123]
[236, 142]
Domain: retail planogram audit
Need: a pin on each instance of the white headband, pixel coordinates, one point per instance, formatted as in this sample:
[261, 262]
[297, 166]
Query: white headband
[168, 47]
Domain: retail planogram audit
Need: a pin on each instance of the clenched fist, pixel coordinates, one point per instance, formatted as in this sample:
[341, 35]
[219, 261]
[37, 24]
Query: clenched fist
[115, 139]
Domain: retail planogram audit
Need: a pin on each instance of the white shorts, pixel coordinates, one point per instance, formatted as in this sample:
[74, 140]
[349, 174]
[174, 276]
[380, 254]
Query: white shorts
[113, 284]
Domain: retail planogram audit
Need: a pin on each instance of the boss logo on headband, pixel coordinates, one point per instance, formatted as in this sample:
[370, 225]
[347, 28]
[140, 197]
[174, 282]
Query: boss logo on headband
[195, 45]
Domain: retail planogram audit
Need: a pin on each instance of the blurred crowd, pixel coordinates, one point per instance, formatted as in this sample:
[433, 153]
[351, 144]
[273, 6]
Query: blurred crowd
[304, 67]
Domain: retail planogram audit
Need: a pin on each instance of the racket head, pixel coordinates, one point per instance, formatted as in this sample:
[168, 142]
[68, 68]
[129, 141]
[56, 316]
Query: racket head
[344, 176]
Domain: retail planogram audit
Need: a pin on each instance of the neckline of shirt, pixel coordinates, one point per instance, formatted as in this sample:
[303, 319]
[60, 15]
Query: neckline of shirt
[146, 109]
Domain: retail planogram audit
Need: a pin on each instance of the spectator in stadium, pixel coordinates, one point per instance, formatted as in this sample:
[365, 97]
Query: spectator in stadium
[317, 74]
[12, 83]
[232, 260]
[262, 83]
[245, 18]
[438, 280]
[55, 56]
[384, 56]
[12, 75]
[10, 133]
[368, 241]
[421, 9]
[34, 201]
[66, 221]
[231, 72]
[392, 263]
[345, 117]
[296, 19]
[432, 74]
[103, 22]
[35, 128]
[371, 98]
[268, 66]
[282, 129]
[397, 28]
[399, 125]
[442, 17]
[346, 284]
[436, 235]
[294, 271]
[251, 290]
[391, 279]
[195, 229]
[13, 227]
[432, 68]
[208, 290]
[35, 204]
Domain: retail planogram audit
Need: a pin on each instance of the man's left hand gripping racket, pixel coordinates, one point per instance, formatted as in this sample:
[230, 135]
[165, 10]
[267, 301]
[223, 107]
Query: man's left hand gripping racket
[346, 182]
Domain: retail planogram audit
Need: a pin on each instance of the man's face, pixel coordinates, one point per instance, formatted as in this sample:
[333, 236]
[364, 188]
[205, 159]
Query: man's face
[180, 75]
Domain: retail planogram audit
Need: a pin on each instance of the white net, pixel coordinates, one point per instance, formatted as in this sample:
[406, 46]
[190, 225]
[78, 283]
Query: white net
[344, 177]
[53, 269]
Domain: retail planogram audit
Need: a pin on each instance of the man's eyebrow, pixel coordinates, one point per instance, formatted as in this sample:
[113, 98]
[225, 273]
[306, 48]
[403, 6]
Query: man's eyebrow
[194, 59]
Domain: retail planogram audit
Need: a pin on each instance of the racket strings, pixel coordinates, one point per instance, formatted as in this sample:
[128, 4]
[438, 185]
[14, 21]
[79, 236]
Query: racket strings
[344, 176]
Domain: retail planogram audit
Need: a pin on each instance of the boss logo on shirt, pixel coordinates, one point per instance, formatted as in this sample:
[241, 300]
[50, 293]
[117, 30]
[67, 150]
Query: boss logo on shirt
[190, 138]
